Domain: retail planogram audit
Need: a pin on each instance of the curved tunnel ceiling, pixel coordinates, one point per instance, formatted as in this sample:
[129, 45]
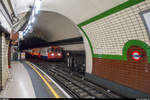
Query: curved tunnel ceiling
[52, 26]
[53, 22]
[76, 10]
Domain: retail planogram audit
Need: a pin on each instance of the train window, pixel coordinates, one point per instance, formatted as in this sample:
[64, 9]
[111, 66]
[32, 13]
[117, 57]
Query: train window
[38, 51]
[47, 50]
[52, 49]
[55, 50]
[59, 49]
[43, 50]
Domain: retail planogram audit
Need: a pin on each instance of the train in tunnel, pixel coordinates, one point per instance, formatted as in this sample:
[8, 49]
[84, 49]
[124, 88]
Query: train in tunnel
[46, 53]
[73, 55]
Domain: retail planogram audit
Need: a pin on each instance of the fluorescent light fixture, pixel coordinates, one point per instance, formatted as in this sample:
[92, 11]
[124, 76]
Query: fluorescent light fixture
[37, 6]
[27, 31]
[33, 19]
[24, 33]
[36, 11]
[33, 12]
[29, 27]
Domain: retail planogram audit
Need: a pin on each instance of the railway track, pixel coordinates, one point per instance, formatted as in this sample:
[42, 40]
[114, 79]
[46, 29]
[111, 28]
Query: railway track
[76, 86]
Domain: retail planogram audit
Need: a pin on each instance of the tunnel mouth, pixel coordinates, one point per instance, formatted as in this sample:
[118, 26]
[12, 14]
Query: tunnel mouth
[72, 60]
[54, 29]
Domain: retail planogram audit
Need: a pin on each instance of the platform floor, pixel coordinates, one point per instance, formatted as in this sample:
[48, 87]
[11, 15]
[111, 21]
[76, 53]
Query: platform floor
[25, 82]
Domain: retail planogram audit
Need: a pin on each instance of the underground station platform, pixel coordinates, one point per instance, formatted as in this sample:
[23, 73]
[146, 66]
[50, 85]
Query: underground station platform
[75, 49]
[28, 81]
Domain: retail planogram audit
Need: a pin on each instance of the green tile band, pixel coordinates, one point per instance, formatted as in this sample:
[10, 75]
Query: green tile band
[111, 11]
[125, 49]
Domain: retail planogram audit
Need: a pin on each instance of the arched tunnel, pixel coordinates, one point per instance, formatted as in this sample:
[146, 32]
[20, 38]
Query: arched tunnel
[75, 48]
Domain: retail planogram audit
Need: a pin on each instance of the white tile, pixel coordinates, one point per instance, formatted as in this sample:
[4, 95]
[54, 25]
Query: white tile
[122, 26]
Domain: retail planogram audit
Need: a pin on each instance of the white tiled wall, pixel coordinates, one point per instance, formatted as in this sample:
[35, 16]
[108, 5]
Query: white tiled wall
[4, 22]
[108, 35]
[5, 71]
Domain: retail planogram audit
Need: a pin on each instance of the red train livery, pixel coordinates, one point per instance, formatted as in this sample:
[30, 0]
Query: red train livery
[47, 53]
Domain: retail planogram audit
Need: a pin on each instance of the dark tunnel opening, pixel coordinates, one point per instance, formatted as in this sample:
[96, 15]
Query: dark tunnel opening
[73, 59]
[52, 29]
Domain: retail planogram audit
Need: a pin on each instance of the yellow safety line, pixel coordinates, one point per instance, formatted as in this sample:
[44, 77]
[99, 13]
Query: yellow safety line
[48, 85]
[47, 78]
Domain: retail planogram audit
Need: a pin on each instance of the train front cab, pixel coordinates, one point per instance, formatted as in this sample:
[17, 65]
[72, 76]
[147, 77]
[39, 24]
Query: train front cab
[55, 53]
[36, 53]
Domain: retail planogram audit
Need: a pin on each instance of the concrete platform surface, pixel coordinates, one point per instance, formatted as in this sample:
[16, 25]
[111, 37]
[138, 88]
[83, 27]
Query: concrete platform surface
[25, 82]
[20, 84]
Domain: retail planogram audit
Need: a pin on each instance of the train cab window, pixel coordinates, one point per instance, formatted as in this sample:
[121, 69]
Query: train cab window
[55, 50]
[49, 50]
[38, 51]
[52, 49]
[59, 49]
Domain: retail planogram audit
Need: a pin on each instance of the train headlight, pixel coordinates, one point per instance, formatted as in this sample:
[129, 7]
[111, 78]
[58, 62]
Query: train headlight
[59, 54]
[67, 54]
[52, 54]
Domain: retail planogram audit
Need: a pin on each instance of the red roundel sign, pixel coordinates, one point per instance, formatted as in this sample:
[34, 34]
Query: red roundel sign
[136, 55]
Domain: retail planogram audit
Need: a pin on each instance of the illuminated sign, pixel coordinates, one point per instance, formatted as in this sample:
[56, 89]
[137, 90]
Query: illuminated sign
[136, 55]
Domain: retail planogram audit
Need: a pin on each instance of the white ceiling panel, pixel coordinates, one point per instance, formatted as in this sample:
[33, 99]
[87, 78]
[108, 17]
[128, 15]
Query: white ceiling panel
[57, 18]
[77, 10]
[21, 6]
